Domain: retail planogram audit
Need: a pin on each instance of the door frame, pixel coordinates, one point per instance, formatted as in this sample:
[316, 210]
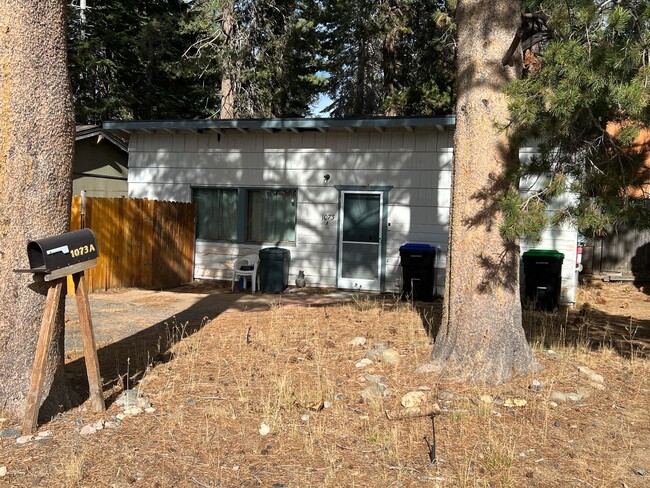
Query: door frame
[383, 219]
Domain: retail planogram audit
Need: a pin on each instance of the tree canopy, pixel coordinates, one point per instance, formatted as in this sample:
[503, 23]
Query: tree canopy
[585, 94]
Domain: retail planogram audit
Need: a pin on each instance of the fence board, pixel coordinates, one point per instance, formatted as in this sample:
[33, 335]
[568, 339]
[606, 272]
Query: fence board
[142, 243]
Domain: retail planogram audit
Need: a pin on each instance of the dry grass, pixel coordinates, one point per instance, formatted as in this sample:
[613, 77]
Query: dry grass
[243, 370]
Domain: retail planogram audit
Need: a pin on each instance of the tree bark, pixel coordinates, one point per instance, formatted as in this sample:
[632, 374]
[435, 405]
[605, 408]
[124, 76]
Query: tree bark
[481, 338]
[227, 92]
[36, 151]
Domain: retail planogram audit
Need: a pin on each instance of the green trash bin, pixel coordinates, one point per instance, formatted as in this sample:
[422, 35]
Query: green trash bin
[543, 278]
[274, 269]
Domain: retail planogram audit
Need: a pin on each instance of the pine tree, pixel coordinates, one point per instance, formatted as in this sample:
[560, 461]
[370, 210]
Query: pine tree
[586, 94]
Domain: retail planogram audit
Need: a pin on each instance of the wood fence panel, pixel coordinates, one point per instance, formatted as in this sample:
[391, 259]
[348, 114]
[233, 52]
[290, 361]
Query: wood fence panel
[142, 243]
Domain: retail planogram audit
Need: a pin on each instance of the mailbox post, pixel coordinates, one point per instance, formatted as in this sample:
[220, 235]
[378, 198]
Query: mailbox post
[55, 258]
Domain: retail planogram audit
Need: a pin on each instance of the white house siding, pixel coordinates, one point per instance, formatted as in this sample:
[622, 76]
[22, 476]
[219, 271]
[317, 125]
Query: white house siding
[165, 166]
[417, 164]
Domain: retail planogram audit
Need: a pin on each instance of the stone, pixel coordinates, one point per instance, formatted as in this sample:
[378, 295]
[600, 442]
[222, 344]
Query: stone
[3, 471]
[596, 386]
[45, 433]
[339, 397]
[515, 402]
[110, 424]
[536, 385]
[132, 398]
[88, 430]
[592, 375]
[375, 378]
[363, 363]
[445, 395]
[557, 396]
[389, 356]
[327, 404]
[264, 429]
[98, 425]
[120, 416]
[78, 422]
[150, 410]
[486, 399]
[429, 368]
[584, 392]
[413, 399]
[552, 404]
[43, 440]
[358, 341]
[133, 411]
[305, 417]
[374, 391]
[4, 433]
[24, 439]
[640, 472]
[574, 397]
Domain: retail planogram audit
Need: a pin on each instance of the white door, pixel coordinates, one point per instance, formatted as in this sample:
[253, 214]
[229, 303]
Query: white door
[360, 240]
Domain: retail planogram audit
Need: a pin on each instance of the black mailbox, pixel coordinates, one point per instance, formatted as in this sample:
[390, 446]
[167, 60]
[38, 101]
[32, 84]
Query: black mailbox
[62, 255]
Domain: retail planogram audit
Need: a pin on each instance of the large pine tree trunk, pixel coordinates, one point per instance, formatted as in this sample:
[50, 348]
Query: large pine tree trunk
[481, 337]
[36, 151]
[227, 89]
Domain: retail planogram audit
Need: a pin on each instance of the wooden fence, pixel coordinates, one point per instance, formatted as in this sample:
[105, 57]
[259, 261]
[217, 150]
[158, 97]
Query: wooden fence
[625, 253]
[142, 243]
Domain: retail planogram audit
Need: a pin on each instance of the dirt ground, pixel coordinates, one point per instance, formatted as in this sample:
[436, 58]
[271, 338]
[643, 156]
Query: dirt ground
[267, 391]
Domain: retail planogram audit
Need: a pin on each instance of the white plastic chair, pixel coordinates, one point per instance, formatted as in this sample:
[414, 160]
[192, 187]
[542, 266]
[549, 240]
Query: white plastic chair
[246, 262]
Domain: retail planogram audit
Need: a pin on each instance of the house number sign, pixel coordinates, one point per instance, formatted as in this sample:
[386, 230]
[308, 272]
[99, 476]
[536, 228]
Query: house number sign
[327, 217]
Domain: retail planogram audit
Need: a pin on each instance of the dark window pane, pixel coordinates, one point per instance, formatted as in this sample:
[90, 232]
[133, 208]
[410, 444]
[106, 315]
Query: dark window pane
[216, 214]
[272, 215]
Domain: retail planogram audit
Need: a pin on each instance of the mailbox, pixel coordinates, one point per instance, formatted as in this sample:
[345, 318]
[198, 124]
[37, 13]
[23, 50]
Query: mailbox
[62, 255]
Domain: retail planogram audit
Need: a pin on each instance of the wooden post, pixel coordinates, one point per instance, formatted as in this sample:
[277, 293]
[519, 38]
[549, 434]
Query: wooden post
[40, 361]
[88, 339]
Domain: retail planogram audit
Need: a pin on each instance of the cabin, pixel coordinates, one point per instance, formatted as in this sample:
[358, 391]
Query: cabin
[343, 195]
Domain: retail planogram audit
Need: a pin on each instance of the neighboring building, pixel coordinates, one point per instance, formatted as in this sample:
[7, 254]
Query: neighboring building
[100, 163]
[342, 194]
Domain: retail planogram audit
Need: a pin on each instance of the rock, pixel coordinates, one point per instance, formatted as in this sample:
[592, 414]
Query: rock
[375, 378]
[640, 472]
[24, 439]
[133, 411]
[45, 433]
[584, 392]
[556, 423]
[424, 388]
[363, 363]
[429, 368]
[78, 422]
[4, 433]
[98, 425]
[445, 395]
[596, 386]
[264, 429]
[515, 402]
[132, 398]
[413, 399]
[574, 397]
[374, 391]
[358, 341]
[150, 410]
[339, 397]
[3, 471]
[305, 417]
[557, 396]
[120, 416]
[327, 404]
[43, 440]
[109, 424]
[592, 375]
[486, 399]
[536, 385]
[389, 356]
[88, 430]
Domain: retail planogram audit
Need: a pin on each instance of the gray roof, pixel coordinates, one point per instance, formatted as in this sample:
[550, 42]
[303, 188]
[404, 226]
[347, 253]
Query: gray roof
[276, 125]
[86, 131]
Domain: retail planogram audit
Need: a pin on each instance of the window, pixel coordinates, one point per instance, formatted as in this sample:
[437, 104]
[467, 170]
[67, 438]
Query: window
[246, 215]
[216, 213]
[271, 216]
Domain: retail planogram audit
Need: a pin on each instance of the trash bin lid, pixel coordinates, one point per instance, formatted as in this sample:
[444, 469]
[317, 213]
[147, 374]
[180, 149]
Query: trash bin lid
[273, 253]
[546, 253]
[413, 246]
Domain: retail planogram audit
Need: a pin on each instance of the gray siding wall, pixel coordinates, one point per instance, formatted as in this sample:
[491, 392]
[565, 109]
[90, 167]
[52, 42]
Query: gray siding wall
[416, 164]
[166, 166]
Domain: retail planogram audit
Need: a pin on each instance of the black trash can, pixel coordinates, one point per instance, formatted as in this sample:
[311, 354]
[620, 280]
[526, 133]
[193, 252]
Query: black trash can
[543, 278]
[417, 261]
[274, 269]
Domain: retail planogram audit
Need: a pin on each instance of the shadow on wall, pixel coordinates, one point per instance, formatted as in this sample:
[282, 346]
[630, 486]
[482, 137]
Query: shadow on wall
[641, 268]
